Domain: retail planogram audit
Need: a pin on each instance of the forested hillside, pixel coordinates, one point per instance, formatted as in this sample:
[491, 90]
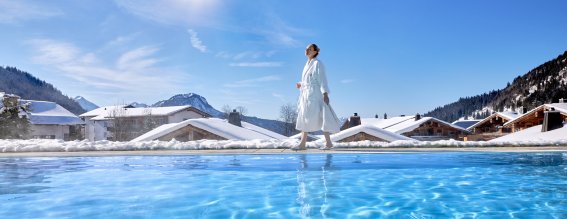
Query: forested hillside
[25, 85]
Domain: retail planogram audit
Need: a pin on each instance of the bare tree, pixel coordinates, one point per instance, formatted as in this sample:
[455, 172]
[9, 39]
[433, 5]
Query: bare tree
[119, 124]
[226, 111]
[288, 115]
[242, 110]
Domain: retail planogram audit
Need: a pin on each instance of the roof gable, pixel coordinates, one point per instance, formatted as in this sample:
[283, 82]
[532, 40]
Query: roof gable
[50, 113]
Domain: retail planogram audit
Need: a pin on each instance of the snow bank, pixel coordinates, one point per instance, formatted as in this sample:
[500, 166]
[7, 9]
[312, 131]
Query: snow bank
[49, 145]
[534, 134]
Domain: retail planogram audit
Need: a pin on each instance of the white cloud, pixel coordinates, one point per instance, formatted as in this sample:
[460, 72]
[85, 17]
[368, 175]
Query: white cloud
[347, 81]
[279, 96]
[53, 52]
[254, 82]
[196, 42]
[138, 59]
[18, 11]
[175, 12]
[133, 71]
[257, 64]
[246, 55]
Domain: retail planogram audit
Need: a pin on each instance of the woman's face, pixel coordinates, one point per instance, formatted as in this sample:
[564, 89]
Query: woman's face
[310, 52]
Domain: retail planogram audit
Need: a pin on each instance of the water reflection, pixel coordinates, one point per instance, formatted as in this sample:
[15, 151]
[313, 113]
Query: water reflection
[31, 175]
[312, 194]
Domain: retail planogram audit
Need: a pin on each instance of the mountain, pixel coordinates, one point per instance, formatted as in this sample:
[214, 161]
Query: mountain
[85, 104]
[546, 83]
[192, 99]
[201, 103]
[138, 105]
[25, 85]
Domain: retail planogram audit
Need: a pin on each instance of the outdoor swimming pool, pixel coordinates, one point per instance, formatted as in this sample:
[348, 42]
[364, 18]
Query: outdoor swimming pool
[415, 185]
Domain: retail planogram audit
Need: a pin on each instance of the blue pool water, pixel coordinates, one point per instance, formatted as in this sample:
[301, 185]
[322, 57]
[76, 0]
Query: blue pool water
[422, 185]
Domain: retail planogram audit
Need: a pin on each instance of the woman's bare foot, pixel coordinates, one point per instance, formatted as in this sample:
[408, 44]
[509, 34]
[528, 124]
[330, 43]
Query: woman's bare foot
[299, 148]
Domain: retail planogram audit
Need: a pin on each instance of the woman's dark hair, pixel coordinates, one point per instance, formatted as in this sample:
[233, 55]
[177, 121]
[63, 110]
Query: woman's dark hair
[315, 47]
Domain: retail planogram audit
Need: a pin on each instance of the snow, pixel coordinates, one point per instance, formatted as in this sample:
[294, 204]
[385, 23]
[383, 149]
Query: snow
[263, 131]
[52, 145]
[216, 126]
[533, 89]
[561, 107]
[117, 111]
[309, 137]
[101, 110]
[368, 129]
[534, 134]
[50, 113]
[402, 124]
[508, 115]
[1, 102]
[85, 104]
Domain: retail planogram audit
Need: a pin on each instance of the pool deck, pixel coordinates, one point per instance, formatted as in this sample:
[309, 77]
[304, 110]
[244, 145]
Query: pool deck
[287, 151]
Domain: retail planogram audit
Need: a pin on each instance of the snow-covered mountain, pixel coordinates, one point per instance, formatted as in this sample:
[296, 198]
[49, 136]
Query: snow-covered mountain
[85, 104]
[546, 83]
[201, 103]
[138, 105]
[192, 99]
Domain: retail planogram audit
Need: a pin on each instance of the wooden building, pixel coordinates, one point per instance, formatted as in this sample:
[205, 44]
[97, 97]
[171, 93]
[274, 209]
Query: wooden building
[535, 116]
[416, 127]
[208, 128]
[366, 132]
[492, 126]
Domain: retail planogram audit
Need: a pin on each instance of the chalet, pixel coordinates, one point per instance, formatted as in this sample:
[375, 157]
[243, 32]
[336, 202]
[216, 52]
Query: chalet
[208, 128]
[492, 126]
[366, 132]
[536, 116]
[49, 120]
[125, 122]
[416, 127]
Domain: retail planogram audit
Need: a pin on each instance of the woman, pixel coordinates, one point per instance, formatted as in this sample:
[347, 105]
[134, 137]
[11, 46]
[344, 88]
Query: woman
[314, 111]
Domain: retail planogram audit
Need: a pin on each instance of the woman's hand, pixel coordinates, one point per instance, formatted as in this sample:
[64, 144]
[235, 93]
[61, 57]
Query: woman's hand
[298, 85]
[326, 98]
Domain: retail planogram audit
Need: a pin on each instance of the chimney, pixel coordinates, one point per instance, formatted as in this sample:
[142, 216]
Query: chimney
[234, 118]
[417, 117]
[354, 120]
[551, 120]
[562, 100]
[523, 110]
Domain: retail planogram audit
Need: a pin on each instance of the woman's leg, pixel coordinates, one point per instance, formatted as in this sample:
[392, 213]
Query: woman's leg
[303, 140]
[328, 139]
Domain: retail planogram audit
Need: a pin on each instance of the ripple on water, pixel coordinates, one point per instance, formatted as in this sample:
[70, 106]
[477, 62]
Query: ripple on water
[460, 185]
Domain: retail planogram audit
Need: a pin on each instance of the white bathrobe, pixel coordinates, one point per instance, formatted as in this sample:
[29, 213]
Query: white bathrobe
[313, 114]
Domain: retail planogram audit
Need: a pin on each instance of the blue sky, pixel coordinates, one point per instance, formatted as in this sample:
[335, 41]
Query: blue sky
[395, 57]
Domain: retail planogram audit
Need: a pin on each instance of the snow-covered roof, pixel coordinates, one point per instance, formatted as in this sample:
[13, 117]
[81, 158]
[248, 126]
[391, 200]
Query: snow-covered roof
[508, 115]
[309, 137]
[101, 110]
[368, 129]
[50, 113]
[261, 130]
[111, 112]
[411, 124]
[561, 107]
[534, 134]
[403, 124]
[216, 126]
[385, 123]
[465, 123]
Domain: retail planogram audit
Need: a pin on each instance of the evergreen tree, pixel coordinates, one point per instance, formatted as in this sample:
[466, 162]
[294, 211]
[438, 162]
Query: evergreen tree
[14, 123]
